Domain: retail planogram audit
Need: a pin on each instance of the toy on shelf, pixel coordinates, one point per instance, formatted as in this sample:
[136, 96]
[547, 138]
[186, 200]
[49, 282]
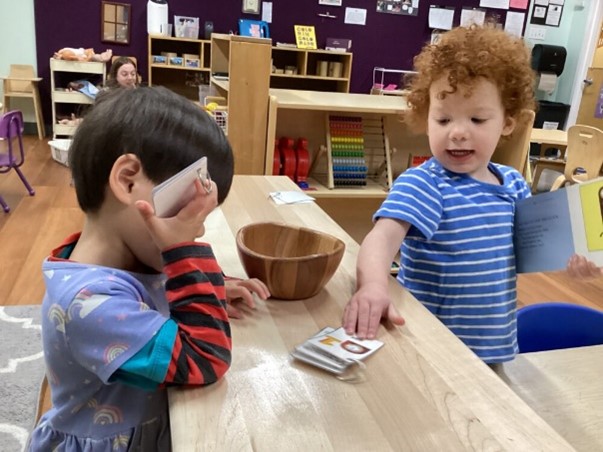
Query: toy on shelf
[357, 151]
[302, 166]
[291, 161]
[285, 147]
[347, 151]
[276, 159]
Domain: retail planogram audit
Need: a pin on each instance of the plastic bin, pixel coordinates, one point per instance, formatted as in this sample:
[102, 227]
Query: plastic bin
[59, 150]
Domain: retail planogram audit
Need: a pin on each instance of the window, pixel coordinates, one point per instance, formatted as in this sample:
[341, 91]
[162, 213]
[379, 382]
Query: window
[115, 25]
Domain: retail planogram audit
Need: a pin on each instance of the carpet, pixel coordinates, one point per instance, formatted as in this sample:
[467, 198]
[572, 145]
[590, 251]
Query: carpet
[21, 373]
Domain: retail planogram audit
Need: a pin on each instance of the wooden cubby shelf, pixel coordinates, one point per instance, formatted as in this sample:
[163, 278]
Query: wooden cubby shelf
[301, 69]
[182, 79]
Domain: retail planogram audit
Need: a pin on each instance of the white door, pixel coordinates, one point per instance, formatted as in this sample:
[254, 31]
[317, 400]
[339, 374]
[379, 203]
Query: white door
[583, 87]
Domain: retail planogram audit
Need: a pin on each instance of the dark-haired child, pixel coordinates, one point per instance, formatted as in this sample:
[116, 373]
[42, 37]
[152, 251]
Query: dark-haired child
[133, 304]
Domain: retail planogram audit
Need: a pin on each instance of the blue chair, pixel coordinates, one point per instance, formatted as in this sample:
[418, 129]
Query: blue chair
[552, 326]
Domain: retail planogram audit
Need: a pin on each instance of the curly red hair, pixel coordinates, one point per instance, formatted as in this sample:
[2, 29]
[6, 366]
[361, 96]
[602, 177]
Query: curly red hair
[463, 55]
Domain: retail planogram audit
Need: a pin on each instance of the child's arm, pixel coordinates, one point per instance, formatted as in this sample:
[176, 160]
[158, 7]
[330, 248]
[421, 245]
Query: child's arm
[371, 301]
[197, 302]
[581, 268]
[193, 346]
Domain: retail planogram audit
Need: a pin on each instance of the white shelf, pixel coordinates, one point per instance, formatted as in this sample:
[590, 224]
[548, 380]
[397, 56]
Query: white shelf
[79, 69]
[71, 97]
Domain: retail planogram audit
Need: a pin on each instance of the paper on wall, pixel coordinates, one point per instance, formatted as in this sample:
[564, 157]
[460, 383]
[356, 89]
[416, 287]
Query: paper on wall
[514, 23]
[471, 16]
[355, 16]
[267, 12]
[440, 17]
[500, 4]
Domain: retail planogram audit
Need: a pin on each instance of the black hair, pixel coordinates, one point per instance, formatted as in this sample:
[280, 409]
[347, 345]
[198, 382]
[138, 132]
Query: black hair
[166, 131]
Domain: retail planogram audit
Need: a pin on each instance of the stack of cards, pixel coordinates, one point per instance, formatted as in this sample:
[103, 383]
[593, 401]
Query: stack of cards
[333, 350]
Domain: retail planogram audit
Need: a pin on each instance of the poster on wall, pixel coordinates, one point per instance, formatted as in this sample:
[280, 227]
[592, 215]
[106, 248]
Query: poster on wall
[402, 7]
[330, 2]
[547, 12]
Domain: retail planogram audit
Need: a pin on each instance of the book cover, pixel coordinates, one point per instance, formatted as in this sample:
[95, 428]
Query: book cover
[551, 227]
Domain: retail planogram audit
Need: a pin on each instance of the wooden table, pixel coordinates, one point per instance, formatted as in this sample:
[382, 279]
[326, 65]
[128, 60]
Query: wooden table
[549, 138]
[425, 391]
[565, 388]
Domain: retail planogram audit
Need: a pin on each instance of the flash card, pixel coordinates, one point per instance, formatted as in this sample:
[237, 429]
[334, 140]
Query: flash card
[173, 194]
[334, 350]
[343, 346]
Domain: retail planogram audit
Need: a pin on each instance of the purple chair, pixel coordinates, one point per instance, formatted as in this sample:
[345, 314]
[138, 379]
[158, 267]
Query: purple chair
[11, 127]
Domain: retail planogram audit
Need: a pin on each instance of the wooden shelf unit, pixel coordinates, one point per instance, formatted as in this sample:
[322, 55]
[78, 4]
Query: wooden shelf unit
[180, 79]
[65, 103]
[307, 72]
[246, 64]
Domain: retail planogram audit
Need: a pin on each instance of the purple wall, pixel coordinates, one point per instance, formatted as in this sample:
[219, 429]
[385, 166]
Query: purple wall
[387, 40]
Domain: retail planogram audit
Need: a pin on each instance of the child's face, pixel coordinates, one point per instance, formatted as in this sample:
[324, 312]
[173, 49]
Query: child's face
[464, 131]
[126, 76]
[138, 238]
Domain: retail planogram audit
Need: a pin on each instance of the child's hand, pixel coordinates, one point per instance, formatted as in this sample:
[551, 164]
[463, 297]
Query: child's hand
[362, 315]
[580, 267]
[186, 224]
[243, 290]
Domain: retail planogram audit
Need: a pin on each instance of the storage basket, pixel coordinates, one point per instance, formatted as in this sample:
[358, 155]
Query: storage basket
[220, 115]
[60, 150]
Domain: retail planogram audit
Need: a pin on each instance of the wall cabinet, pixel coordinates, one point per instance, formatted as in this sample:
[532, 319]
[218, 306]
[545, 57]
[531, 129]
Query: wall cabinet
[313, 70]
[68, 106]
[179, 64]
[240, 68]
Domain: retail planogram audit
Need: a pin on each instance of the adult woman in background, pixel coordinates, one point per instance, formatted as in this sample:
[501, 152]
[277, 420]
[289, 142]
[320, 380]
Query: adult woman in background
[123, 73]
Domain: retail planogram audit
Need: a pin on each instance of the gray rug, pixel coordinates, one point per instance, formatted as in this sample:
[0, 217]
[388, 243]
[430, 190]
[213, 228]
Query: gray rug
[21, 373]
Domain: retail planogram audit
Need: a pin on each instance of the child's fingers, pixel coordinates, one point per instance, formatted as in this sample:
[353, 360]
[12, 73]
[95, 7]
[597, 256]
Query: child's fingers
[233, 312]
[145, 210]
[239, 292]
[256, 286]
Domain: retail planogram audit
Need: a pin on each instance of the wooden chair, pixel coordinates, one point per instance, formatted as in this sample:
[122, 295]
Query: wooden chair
[514, 151]
[584, 157]
[23, 82]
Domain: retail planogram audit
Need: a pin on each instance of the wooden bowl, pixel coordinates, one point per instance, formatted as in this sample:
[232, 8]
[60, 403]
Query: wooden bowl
[294, 262]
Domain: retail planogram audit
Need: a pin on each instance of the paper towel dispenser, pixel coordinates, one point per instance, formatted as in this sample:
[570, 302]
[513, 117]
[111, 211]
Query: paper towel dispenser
[548, 58]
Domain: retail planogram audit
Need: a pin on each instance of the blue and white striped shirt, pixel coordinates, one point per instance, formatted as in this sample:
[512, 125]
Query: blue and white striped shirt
[458, 257]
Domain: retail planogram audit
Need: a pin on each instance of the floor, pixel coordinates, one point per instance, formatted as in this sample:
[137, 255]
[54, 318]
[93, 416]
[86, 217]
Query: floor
[37, 224]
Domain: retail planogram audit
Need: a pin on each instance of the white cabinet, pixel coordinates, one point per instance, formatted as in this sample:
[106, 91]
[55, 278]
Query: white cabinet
[67, 105]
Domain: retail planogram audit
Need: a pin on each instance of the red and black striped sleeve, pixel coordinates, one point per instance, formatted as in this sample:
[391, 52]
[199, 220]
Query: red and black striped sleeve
[197, 302]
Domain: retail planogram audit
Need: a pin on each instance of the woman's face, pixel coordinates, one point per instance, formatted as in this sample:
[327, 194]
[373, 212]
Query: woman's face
[126, 76]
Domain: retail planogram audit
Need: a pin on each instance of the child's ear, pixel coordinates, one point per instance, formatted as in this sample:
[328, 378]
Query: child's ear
[126, 171]
[509, 126]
